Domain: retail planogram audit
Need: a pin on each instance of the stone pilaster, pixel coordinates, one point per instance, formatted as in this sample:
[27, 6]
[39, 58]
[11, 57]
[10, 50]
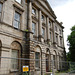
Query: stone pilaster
[54, 32]
[48, 34]
[30, 19]
[40, 26]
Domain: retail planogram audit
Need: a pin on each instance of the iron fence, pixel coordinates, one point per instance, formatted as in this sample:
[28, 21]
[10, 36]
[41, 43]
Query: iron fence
[22, 66]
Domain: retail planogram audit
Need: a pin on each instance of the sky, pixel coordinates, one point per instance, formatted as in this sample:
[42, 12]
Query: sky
[65, 12]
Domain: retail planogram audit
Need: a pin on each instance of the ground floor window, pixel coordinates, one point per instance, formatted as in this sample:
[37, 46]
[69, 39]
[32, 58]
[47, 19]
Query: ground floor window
[47, 62]
[37, 60]
[14, 62]
[54, 60]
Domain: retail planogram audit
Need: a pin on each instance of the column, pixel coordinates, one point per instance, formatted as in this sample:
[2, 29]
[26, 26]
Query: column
[30, 20]
[62, 39]
[40, 26]
[48, 34]
[53, 32]
[30, 17]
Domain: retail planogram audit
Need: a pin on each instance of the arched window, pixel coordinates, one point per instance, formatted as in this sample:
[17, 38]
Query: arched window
[54, 58]
[37, 58]
[47, 60]
[15, 53]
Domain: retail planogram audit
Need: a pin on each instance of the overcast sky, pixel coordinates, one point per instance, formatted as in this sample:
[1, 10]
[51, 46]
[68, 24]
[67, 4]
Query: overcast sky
[65, 12]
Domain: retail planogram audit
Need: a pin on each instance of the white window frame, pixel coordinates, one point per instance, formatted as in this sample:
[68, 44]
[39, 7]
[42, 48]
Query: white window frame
[15, 65]
[16, 21]
[34, 28]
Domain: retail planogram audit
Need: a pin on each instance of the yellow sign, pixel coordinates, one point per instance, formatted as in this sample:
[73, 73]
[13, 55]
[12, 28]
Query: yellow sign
[25, 68]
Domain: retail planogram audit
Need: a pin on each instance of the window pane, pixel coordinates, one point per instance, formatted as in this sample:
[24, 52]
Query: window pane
[33, 11]
[55, 28]
[0, 7]
[16, 24]
[17, 20]
[49, 24]
[33, 27]
[14, 61]
[42, 17]
[17, 16]
[50, 35]
[19, 1]
[43, 32]
[37, 59]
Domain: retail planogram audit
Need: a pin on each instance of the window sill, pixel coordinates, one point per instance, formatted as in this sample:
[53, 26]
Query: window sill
[14, 70]
[37, 69]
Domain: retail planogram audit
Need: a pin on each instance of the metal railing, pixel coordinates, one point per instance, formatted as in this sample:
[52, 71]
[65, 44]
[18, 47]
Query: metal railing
[22, 66]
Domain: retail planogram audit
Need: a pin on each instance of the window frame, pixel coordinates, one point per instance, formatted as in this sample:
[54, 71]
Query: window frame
[50, 35]
[56, 37]
[15, 69]
[1, 9]
[42, 17]
[19, 22]
[33, 11]
[56, 29]
[43, 30]
[34, 28]
[37, 60]
[49, 24]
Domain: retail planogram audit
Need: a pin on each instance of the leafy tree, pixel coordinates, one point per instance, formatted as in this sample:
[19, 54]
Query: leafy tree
[71, 43]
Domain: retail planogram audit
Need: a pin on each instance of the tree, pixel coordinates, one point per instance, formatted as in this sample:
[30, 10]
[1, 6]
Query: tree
[71, 43]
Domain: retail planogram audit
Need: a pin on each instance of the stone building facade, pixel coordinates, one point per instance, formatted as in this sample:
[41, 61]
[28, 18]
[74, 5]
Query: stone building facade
[29, 29]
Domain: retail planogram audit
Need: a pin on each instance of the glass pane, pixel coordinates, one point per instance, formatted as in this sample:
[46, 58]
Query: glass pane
[43, 32]
[37, 58]
[42, 17]
[0, 7]
[14, 61]
[49, 24]
[16, 24]
[17, 16]
[50, 35]
[33, 11]
[19, 1]
[33, 28]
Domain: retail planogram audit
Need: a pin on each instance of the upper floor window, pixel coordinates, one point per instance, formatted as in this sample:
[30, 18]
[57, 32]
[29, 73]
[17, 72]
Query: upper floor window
[33, 27]
[33, 11]
[59, 31]
[50, 35]
[43, 32]
[55, 28]
[0, 8]
[56, 38]
[17, 20]
[19, 1]
[49, 24]
[60, 41]
[42, 17]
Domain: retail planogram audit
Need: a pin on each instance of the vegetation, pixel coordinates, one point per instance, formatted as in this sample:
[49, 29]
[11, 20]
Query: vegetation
[71, 44]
